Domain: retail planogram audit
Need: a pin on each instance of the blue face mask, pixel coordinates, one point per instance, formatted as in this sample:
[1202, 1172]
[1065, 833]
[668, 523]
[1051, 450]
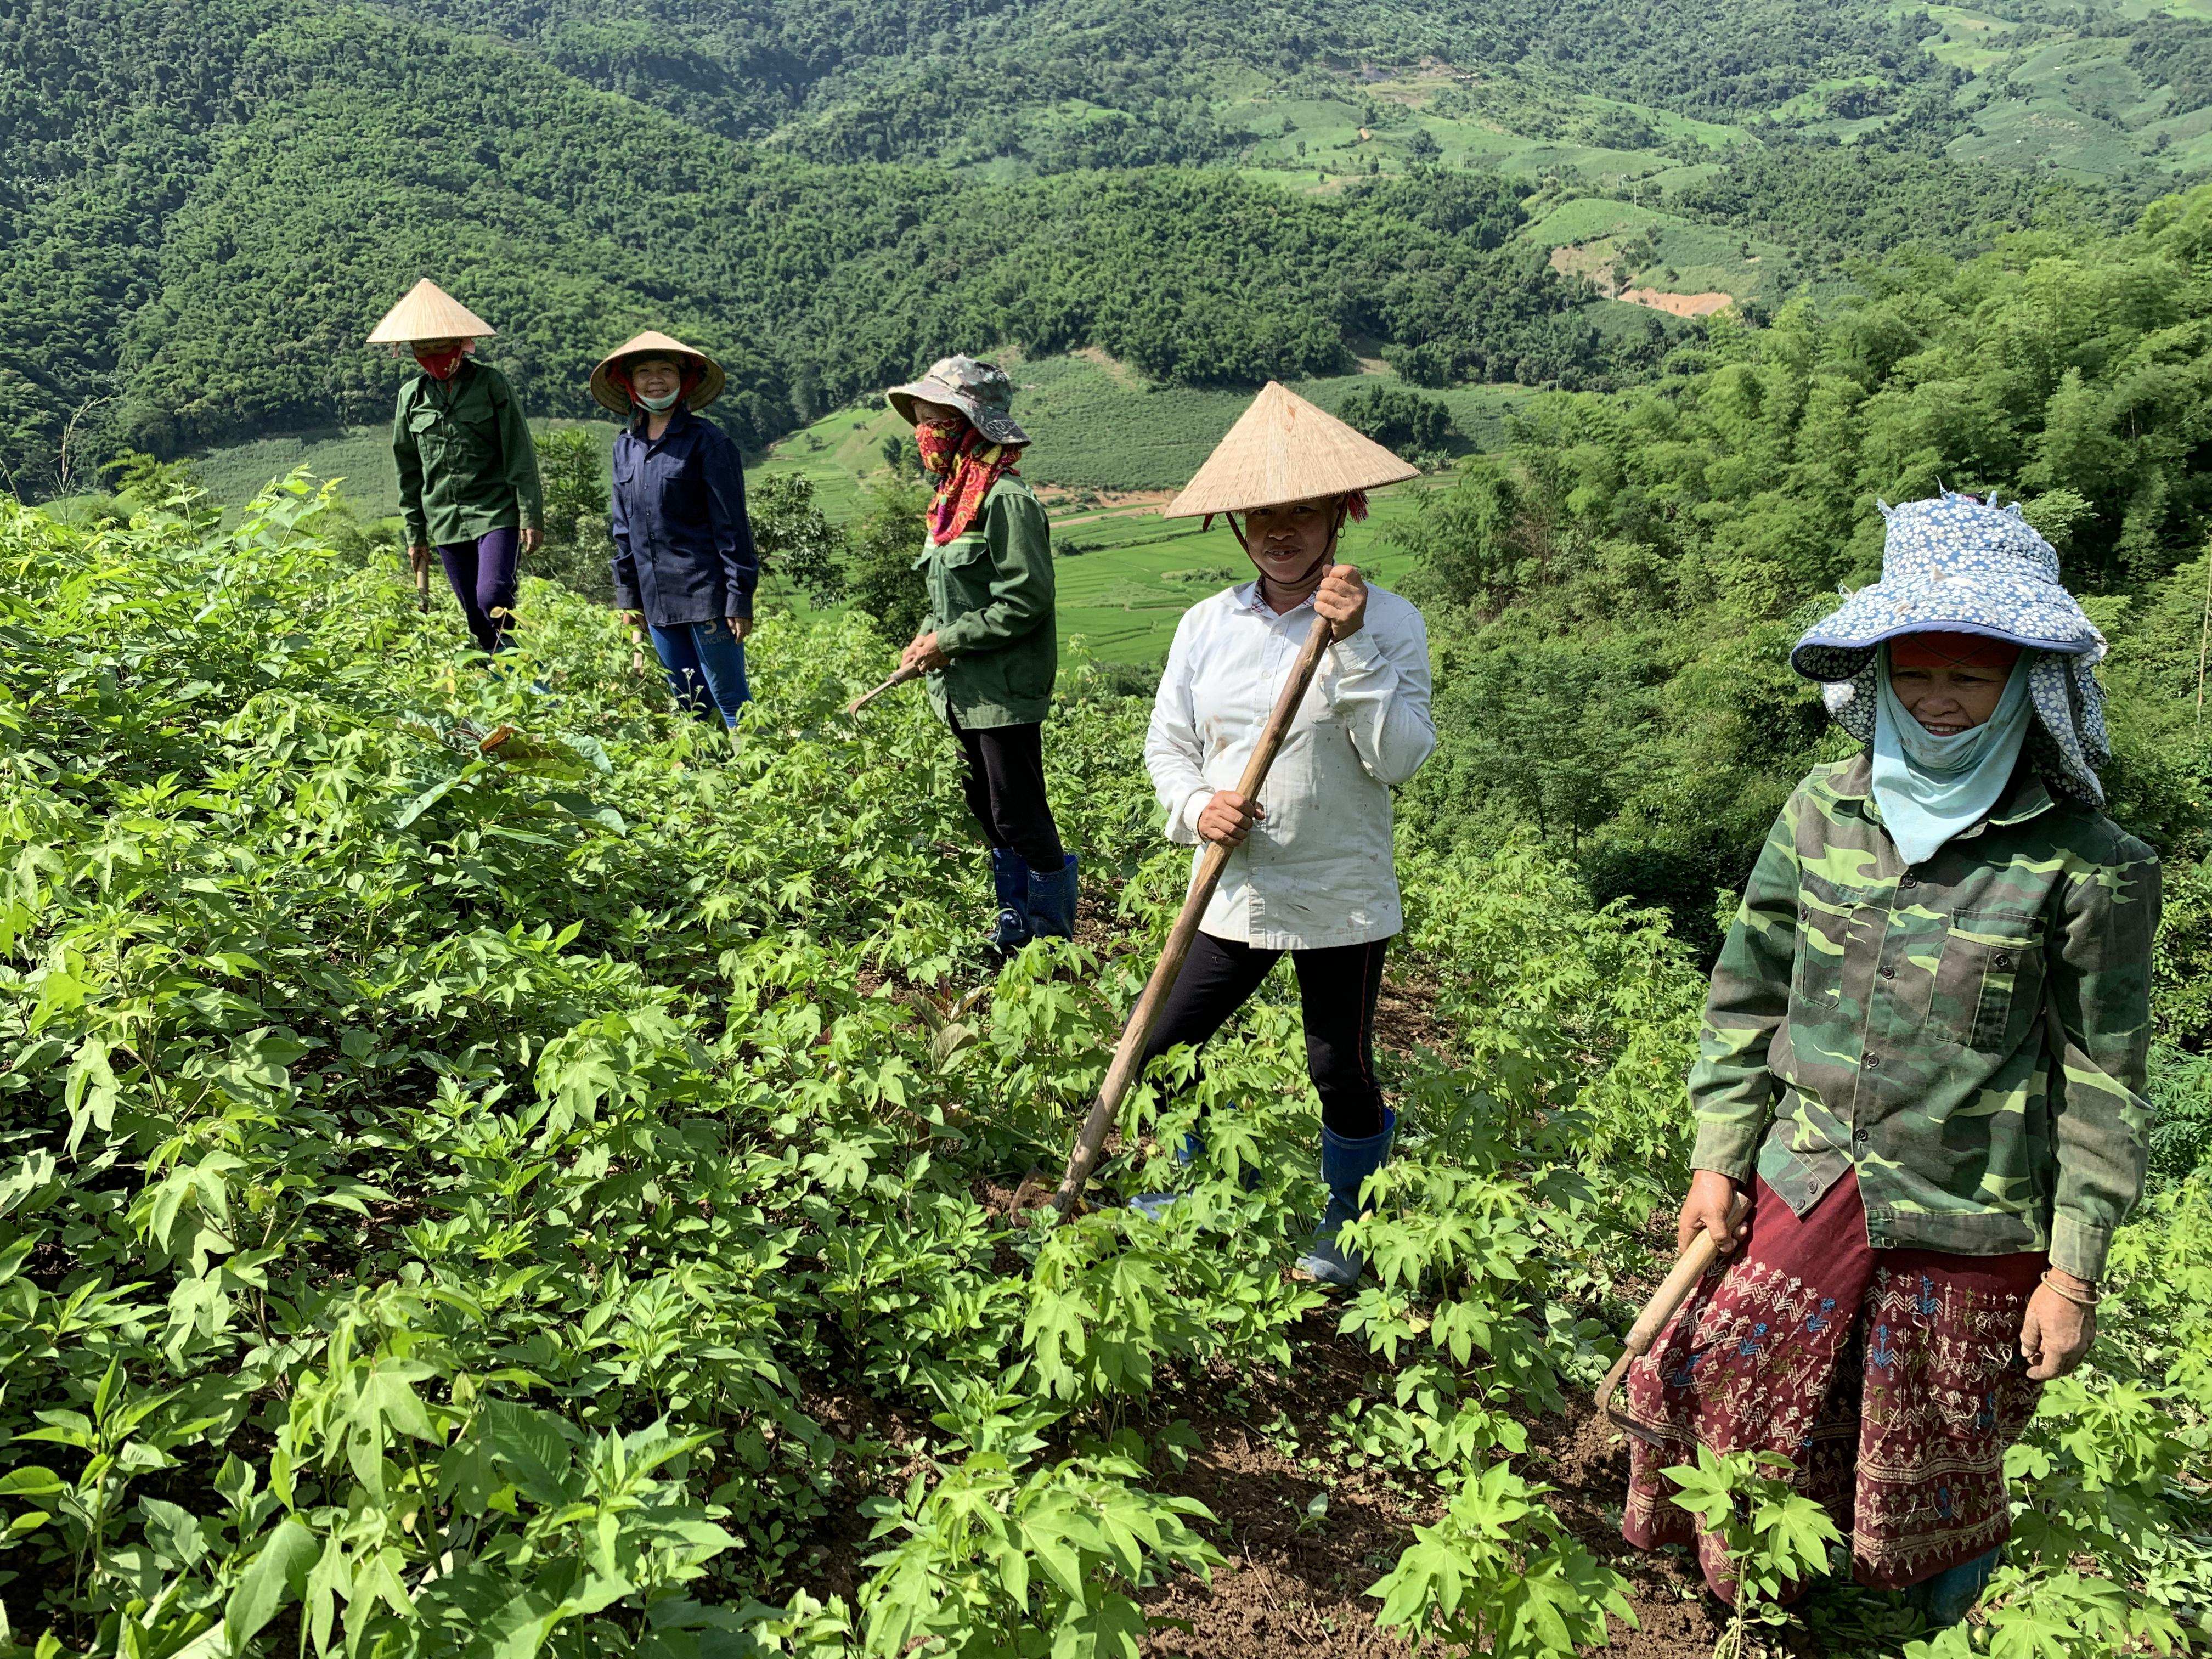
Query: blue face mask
[1931, 788]
[656, 405]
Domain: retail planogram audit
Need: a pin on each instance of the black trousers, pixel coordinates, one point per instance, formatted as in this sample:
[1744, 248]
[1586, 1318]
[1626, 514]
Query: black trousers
[1337, 988]
[1004, 787]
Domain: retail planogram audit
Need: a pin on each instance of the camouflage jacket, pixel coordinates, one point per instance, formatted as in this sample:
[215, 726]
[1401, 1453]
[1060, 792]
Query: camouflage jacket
[1865, 1015]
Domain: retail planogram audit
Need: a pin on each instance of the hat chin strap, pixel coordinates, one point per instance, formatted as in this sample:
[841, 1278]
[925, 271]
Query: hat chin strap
[1327, 553]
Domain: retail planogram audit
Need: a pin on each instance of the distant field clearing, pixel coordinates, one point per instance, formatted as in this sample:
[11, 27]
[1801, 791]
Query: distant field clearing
[1677, 304]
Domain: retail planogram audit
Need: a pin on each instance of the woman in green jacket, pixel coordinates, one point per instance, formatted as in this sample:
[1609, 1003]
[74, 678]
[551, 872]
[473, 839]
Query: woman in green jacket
[468, 469]
[989, 646]
[1920, 1086]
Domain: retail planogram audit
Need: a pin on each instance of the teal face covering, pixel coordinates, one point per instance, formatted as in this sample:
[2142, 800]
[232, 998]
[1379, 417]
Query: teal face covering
[656, 405]
[1930, 788]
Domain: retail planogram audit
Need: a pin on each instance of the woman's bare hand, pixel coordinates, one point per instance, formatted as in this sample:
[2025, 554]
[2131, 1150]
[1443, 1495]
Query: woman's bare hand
[1342, 598]
[922, 653]
[2055, 1332]
[1715, 1206]
[1229, 818]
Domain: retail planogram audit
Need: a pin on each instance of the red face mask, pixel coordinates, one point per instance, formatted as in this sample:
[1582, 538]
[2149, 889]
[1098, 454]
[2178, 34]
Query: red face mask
[440, 365]
[940, 445]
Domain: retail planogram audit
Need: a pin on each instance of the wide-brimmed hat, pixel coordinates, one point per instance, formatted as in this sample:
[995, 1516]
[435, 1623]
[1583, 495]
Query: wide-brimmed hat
[1953, 564]
[1284, 449]
[704, 390]
[429, 312]
[979, 390]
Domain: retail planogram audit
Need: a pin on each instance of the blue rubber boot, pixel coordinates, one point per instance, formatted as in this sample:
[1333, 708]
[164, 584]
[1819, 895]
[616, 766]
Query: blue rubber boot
[1052, 902]
[1154, 1206]
[1345, 1165]
[1950, 1596]
[1010, 878]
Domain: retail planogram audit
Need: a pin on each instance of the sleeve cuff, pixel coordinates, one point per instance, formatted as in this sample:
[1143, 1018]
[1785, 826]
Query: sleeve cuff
[2079, 1249]
[1730, 1149]
[1195, 804]
[1358, 654]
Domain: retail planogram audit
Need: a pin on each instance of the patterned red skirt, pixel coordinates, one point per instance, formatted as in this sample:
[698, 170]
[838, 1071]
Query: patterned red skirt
[1890, 1378]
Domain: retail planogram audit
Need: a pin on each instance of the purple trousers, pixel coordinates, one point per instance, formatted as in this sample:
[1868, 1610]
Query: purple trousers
[483, 575]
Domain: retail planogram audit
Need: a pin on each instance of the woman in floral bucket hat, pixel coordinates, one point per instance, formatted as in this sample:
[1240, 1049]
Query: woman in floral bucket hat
[989, 644]
[1919, 1090]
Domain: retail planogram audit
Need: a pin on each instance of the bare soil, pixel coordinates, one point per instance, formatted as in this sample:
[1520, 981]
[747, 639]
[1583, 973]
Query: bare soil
[1298, 1582]
[1596, 267]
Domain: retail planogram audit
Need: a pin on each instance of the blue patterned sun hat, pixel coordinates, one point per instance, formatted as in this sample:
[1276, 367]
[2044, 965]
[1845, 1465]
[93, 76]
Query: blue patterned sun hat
[1953, 564]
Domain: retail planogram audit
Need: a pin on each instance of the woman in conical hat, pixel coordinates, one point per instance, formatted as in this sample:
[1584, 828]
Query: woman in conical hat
[1312, 872]
[1923, 1067]
[684, 564]
[989, 644]
[468, 469]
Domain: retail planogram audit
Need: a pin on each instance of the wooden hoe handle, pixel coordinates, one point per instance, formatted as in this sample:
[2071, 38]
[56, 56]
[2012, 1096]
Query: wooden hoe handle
[1129, 1054]
[867, 697]
[1689, 1267]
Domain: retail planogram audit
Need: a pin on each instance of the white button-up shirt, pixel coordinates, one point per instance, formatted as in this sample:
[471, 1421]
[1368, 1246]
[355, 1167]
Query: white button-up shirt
[1317, 871]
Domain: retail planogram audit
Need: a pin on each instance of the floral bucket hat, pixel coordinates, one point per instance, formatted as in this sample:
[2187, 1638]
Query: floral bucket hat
[978, 390]
[1955, 564]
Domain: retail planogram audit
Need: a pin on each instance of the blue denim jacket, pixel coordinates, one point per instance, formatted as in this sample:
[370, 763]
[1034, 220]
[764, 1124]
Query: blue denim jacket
[683, 547]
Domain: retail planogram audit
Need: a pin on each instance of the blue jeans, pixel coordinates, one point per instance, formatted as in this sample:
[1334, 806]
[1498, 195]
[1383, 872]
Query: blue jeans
[706, 665]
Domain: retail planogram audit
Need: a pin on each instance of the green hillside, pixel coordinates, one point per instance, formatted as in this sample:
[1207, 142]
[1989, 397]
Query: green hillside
[209, 204]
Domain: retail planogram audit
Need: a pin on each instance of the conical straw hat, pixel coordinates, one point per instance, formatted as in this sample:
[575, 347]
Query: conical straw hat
[429, 312]
[652, 345]
[1284, 449]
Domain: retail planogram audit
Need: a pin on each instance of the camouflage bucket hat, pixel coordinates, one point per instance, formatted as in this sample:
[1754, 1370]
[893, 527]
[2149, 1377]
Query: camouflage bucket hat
[980, 391]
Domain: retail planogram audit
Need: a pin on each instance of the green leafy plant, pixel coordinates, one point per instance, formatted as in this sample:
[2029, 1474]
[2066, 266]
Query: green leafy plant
[1499, 1575]
[1776, 1538]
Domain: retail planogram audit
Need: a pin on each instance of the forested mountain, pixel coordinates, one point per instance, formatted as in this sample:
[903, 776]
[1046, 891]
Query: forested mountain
[205, 201]
[1613, 596]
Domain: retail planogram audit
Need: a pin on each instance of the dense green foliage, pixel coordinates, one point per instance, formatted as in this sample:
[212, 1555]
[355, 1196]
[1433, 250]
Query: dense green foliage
[1613, 597]
[445, 1188]
[1406, 422]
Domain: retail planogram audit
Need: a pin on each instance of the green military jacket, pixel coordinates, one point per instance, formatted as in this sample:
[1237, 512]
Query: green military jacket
[466, 462]
[990, 603]
[1891, 1020]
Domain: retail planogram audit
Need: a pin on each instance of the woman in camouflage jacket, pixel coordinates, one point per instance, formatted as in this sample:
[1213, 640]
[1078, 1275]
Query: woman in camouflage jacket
[1919, 1090]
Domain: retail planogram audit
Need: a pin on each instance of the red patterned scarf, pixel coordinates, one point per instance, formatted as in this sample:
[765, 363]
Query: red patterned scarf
[975, 465]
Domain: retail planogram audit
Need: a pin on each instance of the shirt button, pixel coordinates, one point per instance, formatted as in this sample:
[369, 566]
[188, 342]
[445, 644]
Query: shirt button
[2003, 960]
[1910, 880]
[1862, 1137]
[1889, 973]
[1873, 1062]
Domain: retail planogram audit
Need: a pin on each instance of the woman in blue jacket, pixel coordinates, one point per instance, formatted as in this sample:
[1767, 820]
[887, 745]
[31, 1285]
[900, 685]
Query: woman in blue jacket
[685, 565]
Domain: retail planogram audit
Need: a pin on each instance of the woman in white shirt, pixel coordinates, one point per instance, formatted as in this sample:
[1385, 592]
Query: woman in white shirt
[1312, 872]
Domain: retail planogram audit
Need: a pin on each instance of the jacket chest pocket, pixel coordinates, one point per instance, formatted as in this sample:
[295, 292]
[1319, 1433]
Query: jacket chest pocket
[1816, 976]
[1989, 983]
[961, 573]
[678, 487]
[451, 436]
